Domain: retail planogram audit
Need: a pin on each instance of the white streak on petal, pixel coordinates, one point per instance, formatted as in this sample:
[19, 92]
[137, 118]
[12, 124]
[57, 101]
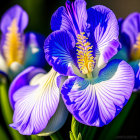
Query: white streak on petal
[36, 104]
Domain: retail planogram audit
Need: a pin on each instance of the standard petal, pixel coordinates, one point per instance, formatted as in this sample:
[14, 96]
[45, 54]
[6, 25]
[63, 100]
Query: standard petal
[136, 67]
[21, 80]
[104, 31]
[60, 20]
[59, 51]
[34, 55]
[131, 27]
[35, 104]
[72, 18]
[77, 14]
[15, 12]
[97, 102]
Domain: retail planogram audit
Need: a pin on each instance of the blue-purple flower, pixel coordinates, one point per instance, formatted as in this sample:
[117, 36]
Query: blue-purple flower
[80, 47]
[15, 45]
[130, 39]
[35, 98]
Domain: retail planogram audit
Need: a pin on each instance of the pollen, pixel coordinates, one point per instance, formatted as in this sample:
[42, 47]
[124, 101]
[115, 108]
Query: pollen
[13, 46]
[85, 57]
[135, 52]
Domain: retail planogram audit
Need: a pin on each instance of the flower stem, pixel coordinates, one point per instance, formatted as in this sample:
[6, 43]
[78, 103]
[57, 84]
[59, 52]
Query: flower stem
[35, 137]
[74, 135]
[89, 75]
[56, 136]
[3, 135]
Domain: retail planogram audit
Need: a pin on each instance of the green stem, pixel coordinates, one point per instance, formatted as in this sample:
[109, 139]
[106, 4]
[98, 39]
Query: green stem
[113, 129]
[35, 137]
[74, 134]
[7, 112]
[56, 136]
[3, 135]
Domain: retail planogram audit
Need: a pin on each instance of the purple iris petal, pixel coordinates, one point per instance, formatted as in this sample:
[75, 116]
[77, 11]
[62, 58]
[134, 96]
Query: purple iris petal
[120, 22]
[35, 103]
[60, 20]
[21, 80]
[136, 67]
[59, 51]
[72, 18]
[96, 102]
[104, 30]
[34, 55]
[108, 52]
[15, 12]
[131, 27]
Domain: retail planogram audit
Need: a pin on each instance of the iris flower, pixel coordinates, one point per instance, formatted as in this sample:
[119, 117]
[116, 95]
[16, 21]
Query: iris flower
[130, 38]
[80, 47]
[35, 98]
[16, 47]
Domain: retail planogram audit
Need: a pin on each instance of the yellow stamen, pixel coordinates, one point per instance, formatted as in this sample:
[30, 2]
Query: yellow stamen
[13, 47]
[85, 58]
[135, 52]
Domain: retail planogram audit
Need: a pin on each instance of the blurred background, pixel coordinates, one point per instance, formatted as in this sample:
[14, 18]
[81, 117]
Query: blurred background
[40, 12]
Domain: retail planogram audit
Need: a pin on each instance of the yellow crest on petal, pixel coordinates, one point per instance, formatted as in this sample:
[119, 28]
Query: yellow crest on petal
[13, 46]
[85, 57]
[135, 52]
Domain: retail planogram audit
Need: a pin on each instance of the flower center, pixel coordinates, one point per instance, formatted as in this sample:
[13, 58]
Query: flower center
[85, 57]
[135, 52]
[13, 47]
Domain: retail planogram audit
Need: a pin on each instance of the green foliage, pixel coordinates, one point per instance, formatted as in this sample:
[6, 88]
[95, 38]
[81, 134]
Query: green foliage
[74, 135]
[7, 111]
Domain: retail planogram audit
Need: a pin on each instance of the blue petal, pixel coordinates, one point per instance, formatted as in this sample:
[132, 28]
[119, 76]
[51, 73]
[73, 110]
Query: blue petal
[34, 55]
[136, 67]
[59, 51]
[15, 12]
[131, 27]
[35, 104]
[96, 102]
[22, 79]
[72, 18]
[60, 20]
[120, 22]
[103, 31]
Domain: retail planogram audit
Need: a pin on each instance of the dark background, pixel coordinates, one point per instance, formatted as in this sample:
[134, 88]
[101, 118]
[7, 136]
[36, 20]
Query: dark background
[40, 12]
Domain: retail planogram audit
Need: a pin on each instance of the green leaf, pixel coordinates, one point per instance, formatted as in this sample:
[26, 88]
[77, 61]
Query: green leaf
[3, 134]
[79, 136]
[74, 130]
[56, 136]
[35, 137]
[7, 111]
